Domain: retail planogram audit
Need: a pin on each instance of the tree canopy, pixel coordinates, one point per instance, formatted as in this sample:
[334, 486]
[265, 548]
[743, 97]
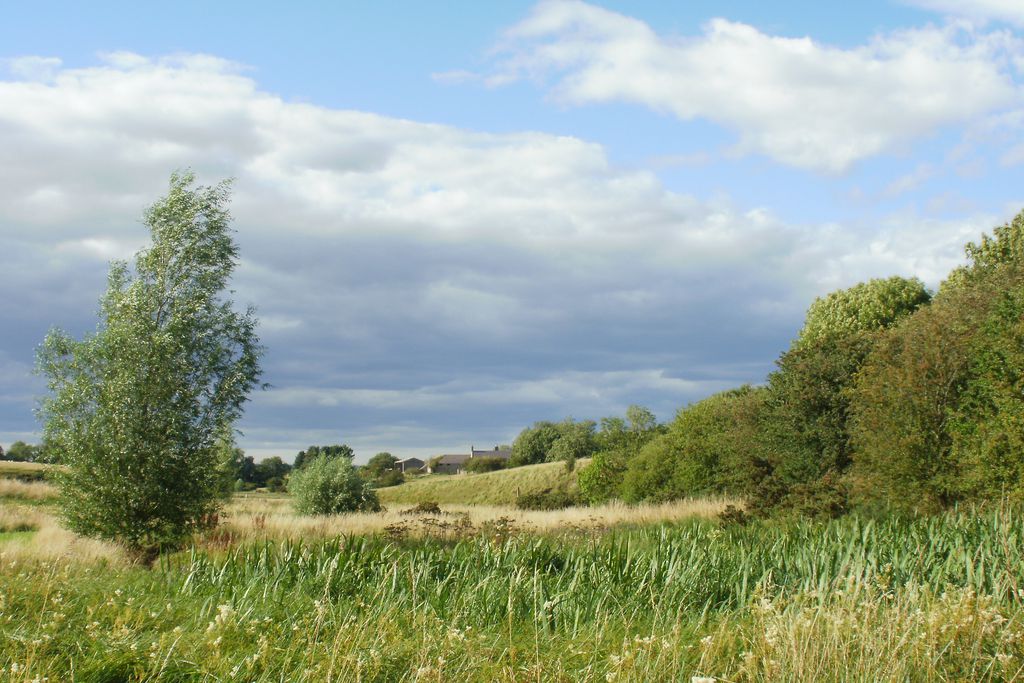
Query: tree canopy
[136, 409]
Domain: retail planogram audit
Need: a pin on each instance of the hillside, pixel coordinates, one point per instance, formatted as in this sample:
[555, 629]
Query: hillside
[23, 470]
[490, 488]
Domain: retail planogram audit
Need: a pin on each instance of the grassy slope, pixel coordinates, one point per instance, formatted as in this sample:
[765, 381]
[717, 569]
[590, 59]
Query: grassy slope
[23, 470]
[491, 488]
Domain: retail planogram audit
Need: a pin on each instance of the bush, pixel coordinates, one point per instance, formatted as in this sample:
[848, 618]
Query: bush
[485, 464]
[329, 486]
[390, 478]
[548, 499]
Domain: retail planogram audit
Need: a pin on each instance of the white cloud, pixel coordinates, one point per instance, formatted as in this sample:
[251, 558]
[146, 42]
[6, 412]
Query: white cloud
[798, 101]
[32, 68]
[910, 181]
[1002, 10]
[388, 257]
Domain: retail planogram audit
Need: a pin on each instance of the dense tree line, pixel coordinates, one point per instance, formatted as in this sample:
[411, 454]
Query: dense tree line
[888, 396]
[19, 451]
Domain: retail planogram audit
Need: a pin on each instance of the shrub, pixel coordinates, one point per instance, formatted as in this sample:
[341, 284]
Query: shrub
[390, 478]
[548, 499]
[485, 464]
[329, 486]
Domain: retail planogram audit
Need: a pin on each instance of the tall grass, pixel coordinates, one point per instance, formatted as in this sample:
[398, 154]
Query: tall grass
[27, 490]
[852, 600]
[262, 518]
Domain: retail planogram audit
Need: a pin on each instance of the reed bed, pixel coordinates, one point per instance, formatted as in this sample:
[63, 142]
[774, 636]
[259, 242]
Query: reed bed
[853, 600]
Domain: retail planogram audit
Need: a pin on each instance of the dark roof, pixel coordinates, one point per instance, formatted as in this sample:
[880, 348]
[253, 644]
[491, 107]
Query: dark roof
[501, 454]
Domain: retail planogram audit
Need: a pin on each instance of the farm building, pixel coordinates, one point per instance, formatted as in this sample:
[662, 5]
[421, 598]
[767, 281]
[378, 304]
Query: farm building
[455, 463]
[500, 453]
[409, 465]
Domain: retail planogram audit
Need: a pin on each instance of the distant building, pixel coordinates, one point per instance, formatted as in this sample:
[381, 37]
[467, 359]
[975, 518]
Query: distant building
[409, 465]
[455, 463]
[448, 464]
[500, 453]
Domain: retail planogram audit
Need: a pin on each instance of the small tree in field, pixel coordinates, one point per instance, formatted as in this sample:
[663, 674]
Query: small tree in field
[139, 409]
[327, 486]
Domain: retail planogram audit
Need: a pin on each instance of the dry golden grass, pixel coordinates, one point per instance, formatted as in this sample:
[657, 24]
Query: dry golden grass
[27, 490]
[272, 518]
[49, 541]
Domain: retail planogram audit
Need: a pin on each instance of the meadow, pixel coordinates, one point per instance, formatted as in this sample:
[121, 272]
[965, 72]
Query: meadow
[650, 593]
[490, 488]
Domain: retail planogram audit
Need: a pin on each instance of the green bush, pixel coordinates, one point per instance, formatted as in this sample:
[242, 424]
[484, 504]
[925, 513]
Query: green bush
[710, 447]
[485, 464]
[327, 486]
[390, 478]
[548, 499]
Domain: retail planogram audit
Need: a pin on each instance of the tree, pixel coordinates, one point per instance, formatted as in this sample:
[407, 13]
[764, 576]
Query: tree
[272, 468]
[327, 486]
[617, 443]
[865, 307]
[533, 444]
[378, 465]
[806, 440]
[335, 451]
[22, 452]
[575, 441]
[938, 411]
[710, 447]
[137, 409]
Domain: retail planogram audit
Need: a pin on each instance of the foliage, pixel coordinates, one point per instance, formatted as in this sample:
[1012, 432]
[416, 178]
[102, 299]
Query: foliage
[485, 464]
[566, 441]
[533, 444]
[380, 471]
[939, 414]
[575, 442]
[378, 465]
[330, 485]
[21, 452]
[137, 408]
[869, 306]
[335, 451]
[710, 447]
[389, 478]
[548, 499]
[616, 443]
[1002, 250]
[805, 435]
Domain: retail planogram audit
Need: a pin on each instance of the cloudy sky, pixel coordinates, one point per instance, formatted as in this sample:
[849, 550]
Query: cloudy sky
[456, 219]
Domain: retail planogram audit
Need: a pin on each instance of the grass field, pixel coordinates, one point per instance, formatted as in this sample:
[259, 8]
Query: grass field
[23, 470]
[490, 488]
[490, 593]
[852, 600]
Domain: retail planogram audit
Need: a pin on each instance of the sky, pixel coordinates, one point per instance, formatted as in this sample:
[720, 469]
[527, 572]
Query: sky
[456, 219]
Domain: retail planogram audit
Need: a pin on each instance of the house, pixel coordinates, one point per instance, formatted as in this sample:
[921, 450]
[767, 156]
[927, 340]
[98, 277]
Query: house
[409, 465]
[456, 463]
[448, 464]
[500, 453]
